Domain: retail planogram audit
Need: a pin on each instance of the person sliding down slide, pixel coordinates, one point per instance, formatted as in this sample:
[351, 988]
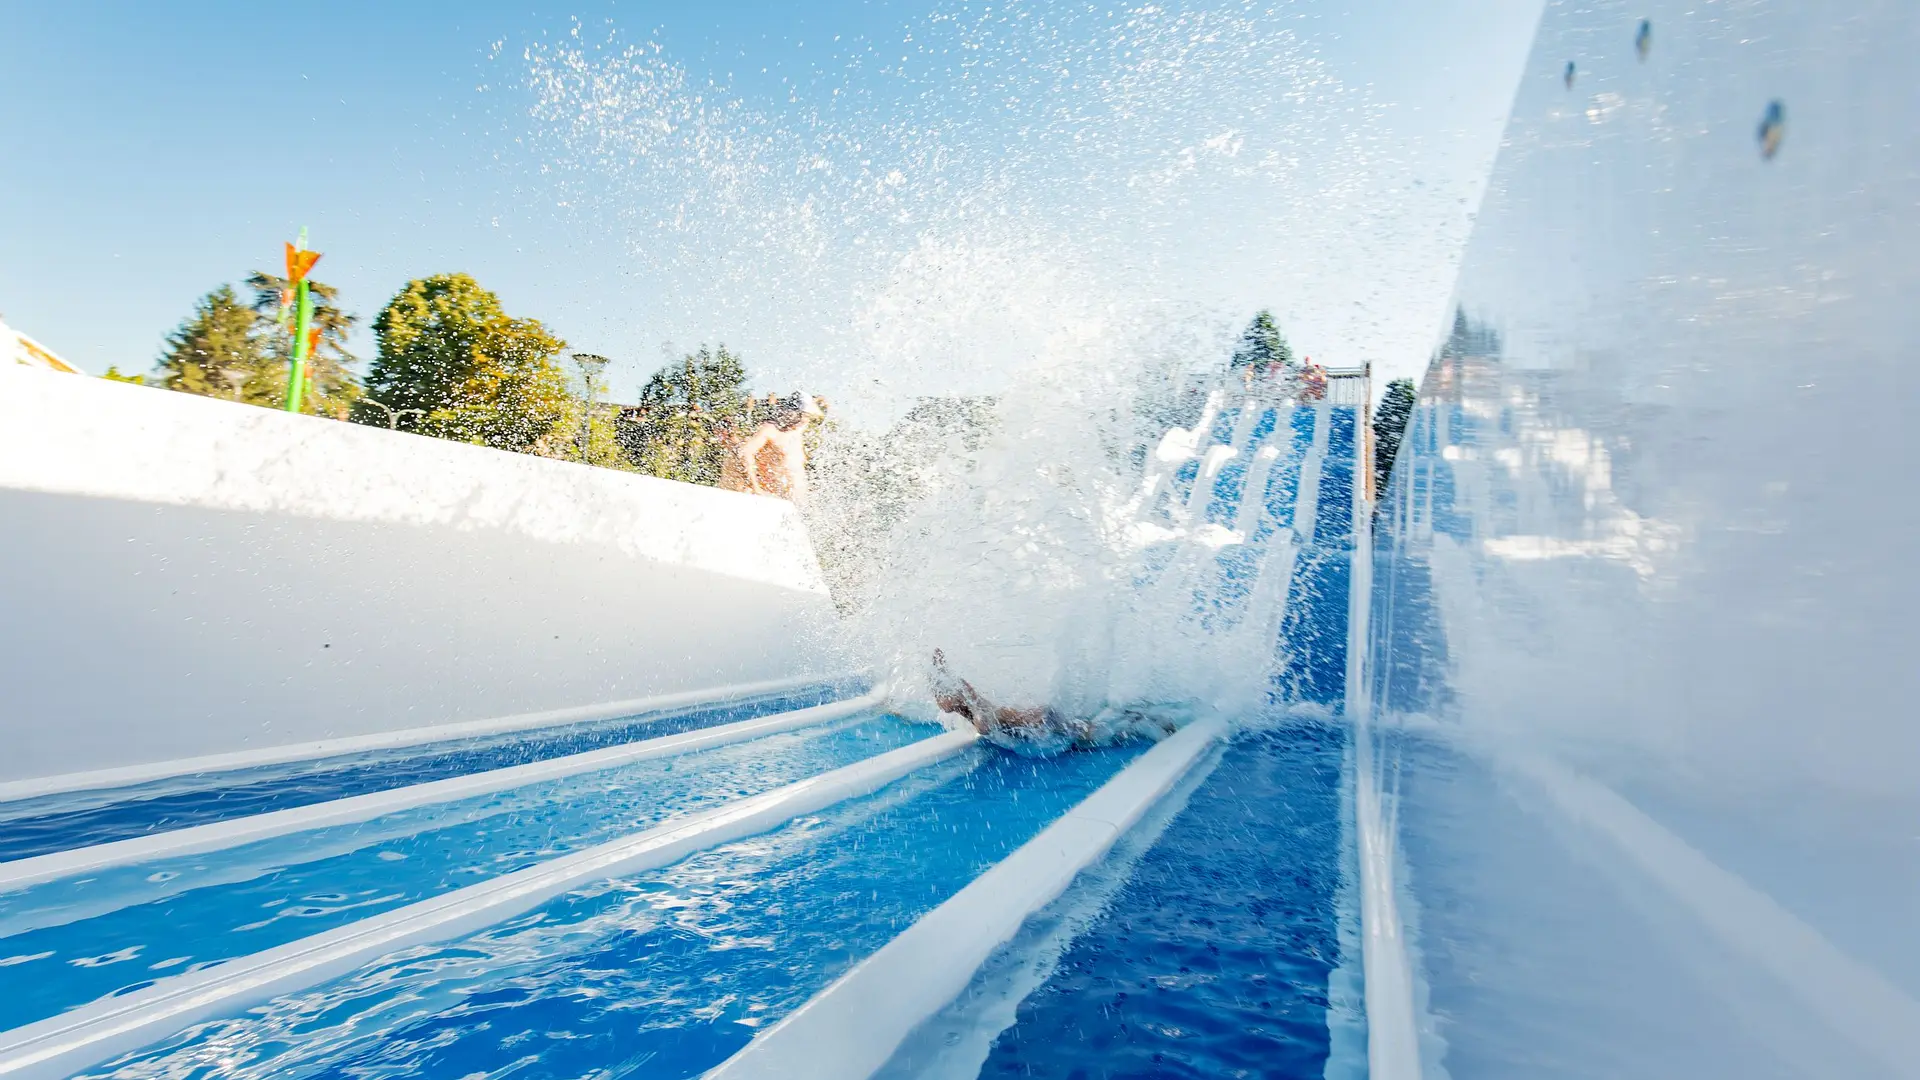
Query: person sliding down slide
[1040, 731]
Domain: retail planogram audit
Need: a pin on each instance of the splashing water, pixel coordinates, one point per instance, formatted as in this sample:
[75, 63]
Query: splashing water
[1040, 218]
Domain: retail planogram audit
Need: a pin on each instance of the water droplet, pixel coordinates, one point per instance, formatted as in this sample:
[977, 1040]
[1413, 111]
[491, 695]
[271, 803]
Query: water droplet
[1568, 76]
[1643, 38]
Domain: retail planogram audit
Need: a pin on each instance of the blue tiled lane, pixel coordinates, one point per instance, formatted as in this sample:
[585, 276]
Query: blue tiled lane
[1214, 958]
[56, 823]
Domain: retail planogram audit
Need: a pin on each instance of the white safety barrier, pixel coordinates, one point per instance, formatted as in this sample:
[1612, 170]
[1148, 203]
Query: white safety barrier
[63, 1044]
[851, 1028]
[1858, 1002]
[214, 836]
[1393, 1028]
[187, 578]
[98, 779]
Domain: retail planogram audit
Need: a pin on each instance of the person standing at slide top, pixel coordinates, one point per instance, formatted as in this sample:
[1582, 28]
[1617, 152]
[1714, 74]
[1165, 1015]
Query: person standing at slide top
[772, 460]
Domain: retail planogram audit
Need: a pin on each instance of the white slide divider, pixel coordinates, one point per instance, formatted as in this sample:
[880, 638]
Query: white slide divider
[1393, 1038]
[850, 1029]
[96, 779]
[1306, 494]
[63, 1044]
[21, 873]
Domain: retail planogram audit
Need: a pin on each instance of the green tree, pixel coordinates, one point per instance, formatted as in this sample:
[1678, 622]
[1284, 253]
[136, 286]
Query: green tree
[472, 372]
[688, 417]
[1262, 344]
[217, 351]
[1389, 428]
[331, 386]
[114, 374]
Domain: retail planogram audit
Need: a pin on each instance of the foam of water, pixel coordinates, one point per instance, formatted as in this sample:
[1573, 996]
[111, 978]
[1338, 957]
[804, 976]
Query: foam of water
[1007, 209]
[1011, 194]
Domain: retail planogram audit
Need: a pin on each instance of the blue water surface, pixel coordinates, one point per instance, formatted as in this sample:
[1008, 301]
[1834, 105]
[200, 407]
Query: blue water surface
[77, 819]
[665, 973]
[1213, 959]
[68, 942]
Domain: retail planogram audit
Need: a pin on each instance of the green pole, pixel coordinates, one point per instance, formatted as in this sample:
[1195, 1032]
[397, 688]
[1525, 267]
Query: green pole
[302, 320]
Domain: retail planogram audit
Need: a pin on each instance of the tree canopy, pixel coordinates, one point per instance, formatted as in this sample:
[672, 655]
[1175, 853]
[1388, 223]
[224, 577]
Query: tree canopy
[217, 351]
[472, 372]
[331, 386]
[1263, 345]
[1389, 428]
[688, 414]
[230, 348]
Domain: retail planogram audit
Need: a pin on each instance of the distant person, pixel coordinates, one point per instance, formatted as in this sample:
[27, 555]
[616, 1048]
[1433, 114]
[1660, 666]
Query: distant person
[772, 460]
[1041, 730]
[1313, 381]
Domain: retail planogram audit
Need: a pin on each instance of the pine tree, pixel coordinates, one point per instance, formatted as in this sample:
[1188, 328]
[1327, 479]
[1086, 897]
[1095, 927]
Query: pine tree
[331, 386]
[1263, 346]
[217, 351]
[689, 416]
[1389, 428]
[453, 364]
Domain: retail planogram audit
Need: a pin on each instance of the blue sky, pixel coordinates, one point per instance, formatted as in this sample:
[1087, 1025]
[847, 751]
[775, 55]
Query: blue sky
[156, 151]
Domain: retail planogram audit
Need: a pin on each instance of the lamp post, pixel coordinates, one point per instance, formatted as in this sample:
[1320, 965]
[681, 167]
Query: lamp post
[590, 368]
[393, 414]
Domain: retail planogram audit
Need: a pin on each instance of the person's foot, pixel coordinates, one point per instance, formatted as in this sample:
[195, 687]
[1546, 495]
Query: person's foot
[944, 682]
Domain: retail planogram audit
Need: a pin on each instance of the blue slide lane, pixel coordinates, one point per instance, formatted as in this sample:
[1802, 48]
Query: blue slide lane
[1231, 484]
[70, 941]
[80, 819]
[1237, 566]
[663, 974]
[1314, 629]
[1283, 479]
[1213, 959]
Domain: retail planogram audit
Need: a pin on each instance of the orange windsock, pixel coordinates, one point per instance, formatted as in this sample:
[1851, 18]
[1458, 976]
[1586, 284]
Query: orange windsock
[299, 263]
[313, 341]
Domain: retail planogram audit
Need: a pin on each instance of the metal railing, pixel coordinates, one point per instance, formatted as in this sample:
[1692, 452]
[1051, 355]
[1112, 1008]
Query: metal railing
[1350, 386]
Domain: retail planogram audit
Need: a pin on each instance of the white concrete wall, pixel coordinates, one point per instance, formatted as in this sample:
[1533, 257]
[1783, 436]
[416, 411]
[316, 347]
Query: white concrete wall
[182, 576]
[1653, 571]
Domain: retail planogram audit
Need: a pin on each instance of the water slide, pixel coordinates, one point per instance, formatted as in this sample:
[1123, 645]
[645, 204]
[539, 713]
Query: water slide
[743, 882]
[1581, 751]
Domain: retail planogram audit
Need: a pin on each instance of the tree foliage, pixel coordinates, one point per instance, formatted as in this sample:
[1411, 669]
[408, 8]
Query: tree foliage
[1263, 345]
[688, 417]
[217, 351]
[474, 373]
[231, 348]
[331, 386]
[1389, 428]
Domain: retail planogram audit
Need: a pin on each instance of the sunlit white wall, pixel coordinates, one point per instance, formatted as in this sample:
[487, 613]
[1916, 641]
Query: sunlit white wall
[185, 576]
[1644, 613]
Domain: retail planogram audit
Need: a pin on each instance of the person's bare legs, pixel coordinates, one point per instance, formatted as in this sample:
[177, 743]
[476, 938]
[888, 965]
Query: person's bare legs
[956, 695]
